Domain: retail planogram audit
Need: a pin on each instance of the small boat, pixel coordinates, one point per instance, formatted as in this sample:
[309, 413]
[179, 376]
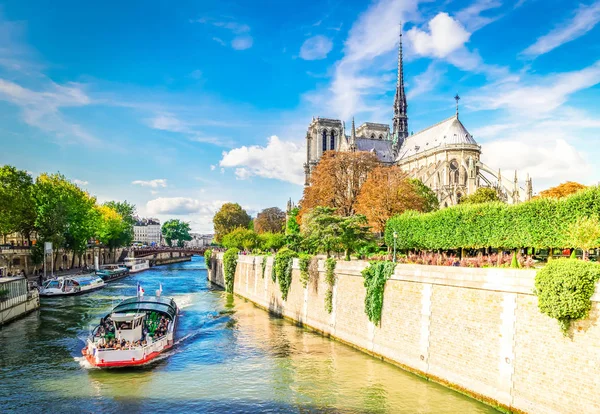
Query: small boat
[112, 272]
[136, 331]
[72, 285]
[136, 265]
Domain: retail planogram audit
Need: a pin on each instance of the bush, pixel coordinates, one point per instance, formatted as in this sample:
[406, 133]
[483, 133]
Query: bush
[375, 275]
[304, 262]
[283, 269]
[564, 288]
[230, 258]
[542, 223]
[207, 258]
[330, 280]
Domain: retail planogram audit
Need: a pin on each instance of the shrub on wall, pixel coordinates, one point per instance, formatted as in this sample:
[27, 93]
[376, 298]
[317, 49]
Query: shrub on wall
[564, 288]
[542, 223]
[283, 269]
[263, 265]
[207, 257]
[375, 275]
[330, 280]
[230, 258]
[304, 262]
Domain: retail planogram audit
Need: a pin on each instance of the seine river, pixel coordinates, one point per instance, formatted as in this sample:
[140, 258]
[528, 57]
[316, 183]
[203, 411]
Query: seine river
[230, 357]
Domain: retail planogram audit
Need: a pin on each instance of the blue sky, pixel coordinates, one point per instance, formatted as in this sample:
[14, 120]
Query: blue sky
[181, 108]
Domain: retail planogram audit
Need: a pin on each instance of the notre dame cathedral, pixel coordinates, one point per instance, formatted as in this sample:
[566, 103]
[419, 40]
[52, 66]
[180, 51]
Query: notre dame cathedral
[445, 156]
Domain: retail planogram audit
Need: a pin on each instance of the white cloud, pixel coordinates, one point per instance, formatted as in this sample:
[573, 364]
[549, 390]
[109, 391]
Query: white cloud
[534, 96]
[42, 108]
[445, 35]
[182, 206]
[219, 41]
[80, 182]
[171, 123]
[242, 42]
[584, 20]
[424, 82]
[153, 192]
[316, 47]
[212, 167]
[160, 182]
[471, 16]
[280, 160]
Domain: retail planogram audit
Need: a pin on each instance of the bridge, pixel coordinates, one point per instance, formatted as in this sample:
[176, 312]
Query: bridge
[151, 251]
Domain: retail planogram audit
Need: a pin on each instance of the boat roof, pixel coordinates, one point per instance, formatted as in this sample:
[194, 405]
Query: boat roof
[82, 278]
[125, 317]
[148, 304]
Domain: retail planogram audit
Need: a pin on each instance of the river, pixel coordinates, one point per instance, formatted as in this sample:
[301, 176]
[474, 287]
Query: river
[230, 357]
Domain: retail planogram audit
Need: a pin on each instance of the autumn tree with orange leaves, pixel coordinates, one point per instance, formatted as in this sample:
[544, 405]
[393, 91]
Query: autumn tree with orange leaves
[562, 190]
[386, 193]
[336, 181]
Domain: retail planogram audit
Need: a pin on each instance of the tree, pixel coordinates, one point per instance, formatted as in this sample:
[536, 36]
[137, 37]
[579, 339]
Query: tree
[113, 230]
[17, 208]
[293, 238]
[327, 232]
[562, 190]
[229, 217]
[481, 195]
[176, 230]
[387, 192]
[240, 238]
[430, 200]
[270, 220]
[127, 213]
[272, 241]
[66, 215]
[584, 233]
[336, 181]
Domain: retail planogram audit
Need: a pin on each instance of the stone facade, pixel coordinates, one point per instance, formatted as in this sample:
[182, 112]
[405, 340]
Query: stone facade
[475, 330]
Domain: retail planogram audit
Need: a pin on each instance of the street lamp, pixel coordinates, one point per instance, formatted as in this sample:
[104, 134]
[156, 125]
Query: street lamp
[395, 237]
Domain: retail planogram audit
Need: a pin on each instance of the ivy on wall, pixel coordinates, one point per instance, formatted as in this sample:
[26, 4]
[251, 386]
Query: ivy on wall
[564, 288]
[375, 275]
[304, 262]
[230, 258]
[207, 258]
[283, 269]
[330, 280]
[263, 265]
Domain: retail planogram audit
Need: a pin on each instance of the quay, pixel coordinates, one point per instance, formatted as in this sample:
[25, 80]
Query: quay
[16, 299]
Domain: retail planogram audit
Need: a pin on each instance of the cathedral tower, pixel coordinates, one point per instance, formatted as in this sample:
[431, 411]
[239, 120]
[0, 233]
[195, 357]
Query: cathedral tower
[400, 120]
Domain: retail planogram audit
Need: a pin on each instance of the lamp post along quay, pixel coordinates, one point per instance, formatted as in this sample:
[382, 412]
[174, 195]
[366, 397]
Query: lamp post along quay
[395, 237]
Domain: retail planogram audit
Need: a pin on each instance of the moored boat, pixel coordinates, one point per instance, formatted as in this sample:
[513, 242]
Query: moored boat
[136, 331]
[136, 265]
[112, 272]
[72, 285]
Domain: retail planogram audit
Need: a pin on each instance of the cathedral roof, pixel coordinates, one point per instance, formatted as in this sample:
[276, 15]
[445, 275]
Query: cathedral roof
[381, 148]
[448, 132]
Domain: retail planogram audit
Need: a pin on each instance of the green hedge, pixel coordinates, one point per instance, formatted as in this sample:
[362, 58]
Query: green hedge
[537, 223]
[564, 288]
[207, 258]
[283, 269]
[230, 258]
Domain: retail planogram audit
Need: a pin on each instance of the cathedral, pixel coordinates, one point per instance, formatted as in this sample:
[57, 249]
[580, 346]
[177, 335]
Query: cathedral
[445, 156]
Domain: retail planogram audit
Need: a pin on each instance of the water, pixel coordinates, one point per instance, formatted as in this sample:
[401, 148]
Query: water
[230, 357]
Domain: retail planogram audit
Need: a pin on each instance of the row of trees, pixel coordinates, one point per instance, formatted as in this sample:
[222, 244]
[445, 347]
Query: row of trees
[58, 211]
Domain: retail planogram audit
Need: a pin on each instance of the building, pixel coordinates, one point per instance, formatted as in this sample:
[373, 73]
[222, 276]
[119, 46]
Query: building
[445, 156]
[199, 240]
[147, 231]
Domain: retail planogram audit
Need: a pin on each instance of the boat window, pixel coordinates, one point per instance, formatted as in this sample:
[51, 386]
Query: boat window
[53, 284]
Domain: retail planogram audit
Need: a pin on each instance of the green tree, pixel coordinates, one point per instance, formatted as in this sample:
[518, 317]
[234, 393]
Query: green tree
[229, 217]
[176, 230]
[240, 238]
[481, 195]
[66, 215]
[584, 233]
[113, 231]
[127, 212]
[430, 200]
[17, 208]
[272, 241]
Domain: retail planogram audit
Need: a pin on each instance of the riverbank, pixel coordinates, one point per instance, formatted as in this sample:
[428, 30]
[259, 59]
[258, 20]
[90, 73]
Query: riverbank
[478, 331]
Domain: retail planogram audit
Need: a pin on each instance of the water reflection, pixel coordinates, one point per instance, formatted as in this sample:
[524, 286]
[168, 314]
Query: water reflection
[231, 357]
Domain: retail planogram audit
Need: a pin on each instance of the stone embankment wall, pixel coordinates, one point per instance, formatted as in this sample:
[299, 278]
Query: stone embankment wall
[170, 257]
[475, 330]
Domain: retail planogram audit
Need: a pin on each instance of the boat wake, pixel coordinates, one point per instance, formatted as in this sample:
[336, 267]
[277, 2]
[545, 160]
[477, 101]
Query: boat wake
[84, 363]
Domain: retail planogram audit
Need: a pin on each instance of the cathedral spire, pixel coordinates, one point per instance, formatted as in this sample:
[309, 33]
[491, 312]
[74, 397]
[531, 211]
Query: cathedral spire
[400, 120]
[457, 98]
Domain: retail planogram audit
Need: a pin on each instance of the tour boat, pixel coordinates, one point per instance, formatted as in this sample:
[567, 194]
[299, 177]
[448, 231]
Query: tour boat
[136, 265]
[71, 285]
[112, 272]
[136, 331]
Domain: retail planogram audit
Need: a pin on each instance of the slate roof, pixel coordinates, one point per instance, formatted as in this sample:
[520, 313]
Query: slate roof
[448, 132]
[381, 148]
